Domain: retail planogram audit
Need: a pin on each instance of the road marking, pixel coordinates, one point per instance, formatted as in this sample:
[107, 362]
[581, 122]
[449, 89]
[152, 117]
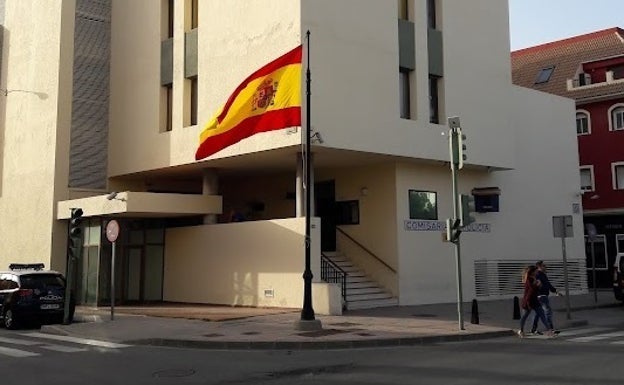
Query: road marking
[14, 341]
[76, 340]
[17, 353]
[597, 337]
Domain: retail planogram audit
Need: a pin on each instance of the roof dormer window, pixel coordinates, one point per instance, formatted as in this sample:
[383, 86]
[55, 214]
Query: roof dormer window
[544, 75]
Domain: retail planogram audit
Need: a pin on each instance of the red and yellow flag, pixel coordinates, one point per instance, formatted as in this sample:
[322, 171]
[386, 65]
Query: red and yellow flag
[269, 99]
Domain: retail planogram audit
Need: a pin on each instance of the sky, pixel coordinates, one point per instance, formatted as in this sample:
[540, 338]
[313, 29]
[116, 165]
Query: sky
[534, 22]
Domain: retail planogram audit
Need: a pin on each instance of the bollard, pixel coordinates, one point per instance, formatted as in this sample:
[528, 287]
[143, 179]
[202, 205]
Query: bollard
[516, 310]
[475, 312]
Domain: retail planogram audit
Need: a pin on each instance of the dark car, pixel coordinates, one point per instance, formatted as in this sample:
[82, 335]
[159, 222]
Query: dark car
[31, 295]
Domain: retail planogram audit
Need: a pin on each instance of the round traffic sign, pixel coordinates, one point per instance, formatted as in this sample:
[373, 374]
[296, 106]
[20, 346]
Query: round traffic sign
[112, 230]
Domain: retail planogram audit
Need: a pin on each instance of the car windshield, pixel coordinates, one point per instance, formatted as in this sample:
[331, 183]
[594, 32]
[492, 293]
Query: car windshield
[38, 281]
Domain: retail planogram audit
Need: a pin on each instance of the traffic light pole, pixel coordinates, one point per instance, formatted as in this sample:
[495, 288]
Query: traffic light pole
[454, 169]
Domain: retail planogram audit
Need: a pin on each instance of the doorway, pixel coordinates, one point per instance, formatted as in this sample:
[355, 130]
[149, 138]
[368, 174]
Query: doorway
[325, 204]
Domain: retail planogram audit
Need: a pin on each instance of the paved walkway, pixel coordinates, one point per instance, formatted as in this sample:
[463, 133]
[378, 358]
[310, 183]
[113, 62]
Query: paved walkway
[220, 327]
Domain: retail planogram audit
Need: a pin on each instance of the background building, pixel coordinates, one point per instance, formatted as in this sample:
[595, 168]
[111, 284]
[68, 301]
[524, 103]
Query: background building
[589, 69]
[88, 85]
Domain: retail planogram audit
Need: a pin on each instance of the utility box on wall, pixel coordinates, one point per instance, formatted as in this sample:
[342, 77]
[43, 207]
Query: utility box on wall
[486, 199]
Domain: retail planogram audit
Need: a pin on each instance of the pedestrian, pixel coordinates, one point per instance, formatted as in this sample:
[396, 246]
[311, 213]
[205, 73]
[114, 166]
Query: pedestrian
[545, 288]
[529, 300]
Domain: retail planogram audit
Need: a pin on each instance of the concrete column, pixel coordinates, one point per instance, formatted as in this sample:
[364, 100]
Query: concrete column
[210, 186]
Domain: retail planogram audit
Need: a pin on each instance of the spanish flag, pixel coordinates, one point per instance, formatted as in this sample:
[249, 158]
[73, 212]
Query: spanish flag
[269, 99]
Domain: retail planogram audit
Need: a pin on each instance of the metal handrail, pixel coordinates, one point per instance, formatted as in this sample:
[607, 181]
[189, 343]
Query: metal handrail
[332, 273]
[365, 249]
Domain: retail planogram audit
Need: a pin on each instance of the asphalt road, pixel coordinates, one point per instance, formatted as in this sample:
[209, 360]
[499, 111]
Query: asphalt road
[590, 355]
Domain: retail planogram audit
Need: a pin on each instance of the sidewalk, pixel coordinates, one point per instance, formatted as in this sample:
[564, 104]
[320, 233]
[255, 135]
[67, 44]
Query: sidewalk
[219, 327]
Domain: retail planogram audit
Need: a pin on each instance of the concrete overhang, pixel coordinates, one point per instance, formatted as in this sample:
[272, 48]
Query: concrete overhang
[142, 205]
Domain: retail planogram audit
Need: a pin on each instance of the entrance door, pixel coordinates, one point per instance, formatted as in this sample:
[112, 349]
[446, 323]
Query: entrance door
[144, 273]
[134, 274]
[325, 204]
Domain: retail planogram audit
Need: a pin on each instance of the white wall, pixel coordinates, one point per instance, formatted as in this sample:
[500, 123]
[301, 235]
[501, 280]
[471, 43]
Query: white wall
[233, 264]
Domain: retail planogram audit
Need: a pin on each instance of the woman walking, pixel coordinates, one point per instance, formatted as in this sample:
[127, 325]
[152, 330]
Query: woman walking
[530, 302]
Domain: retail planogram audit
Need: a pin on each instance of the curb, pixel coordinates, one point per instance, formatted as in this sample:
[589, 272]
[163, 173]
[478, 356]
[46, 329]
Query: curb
[316, 345]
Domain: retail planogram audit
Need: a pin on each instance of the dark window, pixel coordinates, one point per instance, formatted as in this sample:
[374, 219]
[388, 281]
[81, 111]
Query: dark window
[618, 72]
[423, 205]
[348, 213]
[170, 18]
[404, 93]
[404, 10]
[431, 14]
[434, 112]
[39, 281]
[544, 75]
[169, 117]
[194, 14]
[194, 96]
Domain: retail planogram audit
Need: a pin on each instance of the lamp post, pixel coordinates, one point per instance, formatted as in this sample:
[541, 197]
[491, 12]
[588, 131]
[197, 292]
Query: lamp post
[307, 321]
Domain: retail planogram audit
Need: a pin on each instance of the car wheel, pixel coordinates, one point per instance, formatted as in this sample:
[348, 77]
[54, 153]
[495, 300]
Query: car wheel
[9, 319]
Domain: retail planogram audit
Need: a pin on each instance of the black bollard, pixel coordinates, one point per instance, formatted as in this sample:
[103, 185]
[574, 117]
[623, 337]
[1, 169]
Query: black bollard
[516, 311]
[475, 312]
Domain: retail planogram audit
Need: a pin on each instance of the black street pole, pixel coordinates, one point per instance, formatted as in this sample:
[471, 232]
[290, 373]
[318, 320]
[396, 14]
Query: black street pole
[307, 313]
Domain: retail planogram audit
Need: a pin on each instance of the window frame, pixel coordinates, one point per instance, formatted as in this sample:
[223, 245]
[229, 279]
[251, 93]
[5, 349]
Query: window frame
[612, 111]
[614, 179]
[591, 176]
[405, 94]
[414, 217]
[587, 118]
[619, 237]
[545, 74]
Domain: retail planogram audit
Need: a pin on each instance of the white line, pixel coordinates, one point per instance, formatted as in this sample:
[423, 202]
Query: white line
[17, 353]
[597, 337]
[576, 332]
[82, 341]
[14, 341]
[63, 349]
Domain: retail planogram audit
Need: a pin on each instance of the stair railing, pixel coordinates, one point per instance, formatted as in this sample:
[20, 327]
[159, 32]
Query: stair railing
[366, 249]
[332, 273]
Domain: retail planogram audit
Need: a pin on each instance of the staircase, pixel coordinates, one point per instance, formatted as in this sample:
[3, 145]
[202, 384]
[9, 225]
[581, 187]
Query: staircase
[362, 292]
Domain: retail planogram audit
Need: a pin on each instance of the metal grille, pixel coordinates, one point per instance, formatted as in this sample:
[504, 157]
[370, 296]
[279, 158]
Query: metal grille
[503, 278]
[89, 133]
[332, 273]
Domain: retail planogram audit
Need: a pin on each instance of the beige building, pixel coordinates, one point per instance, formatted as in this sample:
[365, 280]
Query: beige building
[105, 96]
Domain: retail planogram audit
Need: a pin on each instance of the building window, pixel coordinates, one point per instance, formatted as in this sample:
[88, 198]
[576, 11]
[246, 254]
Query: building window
[194, 14]
[600, 253]
[544, 75]
[404, 9]
[167, 111]
[347, 213]
[587, 178]
[434, 106]
[432, 21]
[617, 170]
[582, 123]
[423, 205]
[618, 72]
[404, 93]
[194, 96]
[616, 121]
[619, 243]
[169, 18]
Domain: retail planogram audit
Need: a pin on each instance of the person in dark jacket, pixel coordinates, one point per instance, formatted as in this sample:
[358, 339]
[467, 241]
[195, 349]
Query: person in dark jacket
[530, 302]
[544, 290]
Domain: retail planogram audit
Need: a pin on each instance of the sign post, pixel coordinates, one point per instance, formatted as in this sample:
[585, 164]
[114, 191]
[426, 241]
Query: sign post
[112, 232]
[562, 228]
[592, 234]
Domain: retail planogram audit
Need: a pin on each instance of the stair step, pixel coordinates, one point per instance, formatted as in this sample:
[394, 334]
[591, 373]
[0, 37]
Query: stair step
[361, 285]
[364, 290]
[353, 305]
[371, 296]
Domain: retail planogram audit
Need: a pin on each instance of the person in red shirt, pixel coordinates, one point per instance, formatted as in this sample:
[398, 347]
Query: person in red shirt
[530, 302]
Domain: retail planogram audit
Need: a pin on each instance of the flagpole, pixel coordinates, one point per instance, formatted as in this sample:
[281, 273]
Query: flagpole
[308, 322]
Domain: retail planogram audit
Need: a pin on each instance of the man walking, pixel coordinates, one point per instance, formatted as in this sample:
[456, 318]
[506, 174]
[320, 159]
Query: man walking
[542, 296]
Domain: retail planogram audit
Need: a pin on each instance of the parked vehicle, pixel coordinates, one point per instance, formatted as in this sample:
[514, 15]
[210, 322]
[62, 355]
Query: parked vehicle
[618, 277]
[31, 295]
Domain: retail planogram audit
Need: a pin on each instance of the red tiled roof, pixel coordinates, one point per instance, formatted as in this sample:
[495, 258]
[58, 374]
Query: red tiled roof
[567, 56]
